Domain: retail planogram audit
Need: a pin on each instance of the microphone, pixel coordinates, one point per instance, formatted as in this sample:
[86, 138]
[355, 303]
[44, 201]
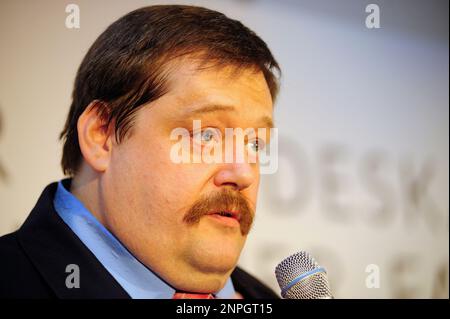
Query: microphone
[300, 277]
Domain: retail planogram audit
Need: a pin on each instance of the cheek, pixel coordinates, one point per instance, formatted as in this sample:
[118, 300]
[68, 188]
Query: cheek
[152, 182]
[252, 191]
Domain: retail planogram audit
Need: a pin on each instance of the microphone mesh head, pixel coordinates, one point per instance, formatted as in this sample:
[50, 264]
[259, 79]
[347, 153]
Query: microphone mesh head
[312, 281]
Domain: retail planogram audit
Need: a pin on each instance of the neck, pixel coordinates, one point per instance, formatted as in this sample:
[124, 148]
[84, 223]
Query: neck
[85, 187]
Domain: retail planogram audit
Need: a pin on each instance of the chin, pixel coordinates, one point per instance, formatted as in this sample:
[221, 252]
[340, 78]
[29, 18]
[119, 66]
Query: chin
[215, 257]
[201, 285]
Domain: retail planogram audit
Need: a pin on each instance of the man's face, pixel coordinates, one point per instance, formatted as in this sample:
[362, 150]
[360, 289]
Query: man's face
[166, 213]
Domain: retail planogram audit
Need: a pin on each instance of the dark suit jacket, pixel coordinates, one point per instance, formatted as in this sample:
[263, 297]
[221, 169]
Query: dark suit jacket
[33, 261]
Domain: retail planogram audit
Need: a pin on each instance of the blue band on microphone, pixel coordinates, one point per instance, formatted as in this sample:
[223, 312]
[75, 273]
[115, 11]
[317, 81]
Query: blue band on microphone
[297, 279]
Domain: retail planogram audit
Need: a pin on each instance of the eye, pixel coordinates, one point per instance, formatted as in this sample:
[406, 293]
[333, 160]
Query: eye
[207, 135]
[256, 145]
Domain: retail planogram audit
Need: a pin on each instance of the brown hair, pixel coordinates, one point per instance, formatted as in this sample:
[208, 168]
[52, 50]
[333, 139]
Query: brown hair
[126, 67]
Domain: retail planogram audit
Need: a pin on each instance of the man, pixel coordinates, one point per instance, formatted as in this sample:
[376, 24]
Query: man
[131, 221]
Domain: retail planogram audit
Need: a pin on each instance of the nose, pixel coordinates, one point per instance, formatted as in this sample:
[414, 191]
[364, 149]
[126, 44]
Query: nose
[238, 175]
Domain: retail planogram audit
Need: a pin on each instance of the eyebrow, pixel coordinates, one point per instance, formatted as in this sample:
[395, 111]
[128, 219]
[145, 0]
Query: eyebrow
[212, 109]
[266, 120]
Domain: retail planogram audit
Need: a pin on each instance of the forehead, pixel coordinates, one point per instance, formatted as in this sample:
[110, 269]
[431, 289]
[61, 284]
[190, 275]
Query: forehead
[191, 86]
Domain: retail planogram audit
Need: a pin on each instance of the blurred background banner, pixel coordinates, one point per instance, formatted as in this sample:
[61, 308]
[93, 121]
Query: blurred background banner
[363, 122]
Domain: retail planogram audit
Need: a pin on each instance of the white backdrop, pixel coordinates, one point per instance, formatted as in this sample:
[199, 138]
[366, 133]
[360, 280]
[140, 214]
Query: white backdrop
[363, 119]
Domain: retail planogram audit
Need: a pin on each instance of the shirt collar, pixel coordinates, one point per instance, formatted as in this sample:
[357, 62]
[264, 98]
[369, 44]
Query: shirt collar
[135, 278]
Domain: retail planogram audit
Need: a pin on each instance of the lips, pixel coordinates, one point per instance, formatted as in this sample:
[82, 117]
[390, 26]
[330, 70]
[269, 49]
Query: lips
[227, 219]
[228, 214]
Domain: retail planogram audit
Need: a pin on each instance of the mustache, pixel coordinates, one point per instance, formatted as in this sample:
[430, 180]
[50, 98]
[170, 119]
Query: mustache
[225, 200]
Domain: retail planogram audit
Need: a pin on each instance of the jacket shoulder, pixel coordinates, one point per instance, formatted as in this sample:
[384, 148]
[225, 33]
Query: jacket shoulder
[18, 277]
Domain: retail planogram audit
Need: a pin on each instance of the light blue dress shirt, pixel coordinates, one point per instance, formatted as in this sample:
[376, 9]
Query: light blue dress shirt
[135, 278]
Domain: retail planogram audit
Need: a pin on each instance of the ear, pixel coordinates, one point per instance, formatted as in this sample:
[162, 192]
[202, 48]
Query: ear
[94, 137]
